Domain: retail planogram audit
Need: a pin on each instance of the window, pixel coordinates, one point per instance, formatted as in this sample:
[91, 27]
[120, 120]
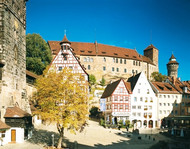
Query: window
[147, 91]
[88, 67]
[91, 60]
[176, 105]
[112, 68]
[104, 68]
[64, 47]
[65, 58]
[175, 111]
[135, 99]
[150, 107]
[120, 61]
[126, 98]
[160, 112]
[164, 104]
[115, 106]
[139, 114]
[125, 70]
[141, 98]
[168, 111]
[70, 67]
[121, 90]
[125, 61]
[126, 107]
[133, 71]
[160, 104]
[168, 96]
[133, 107]
[60, 68]
[136, 63]
[121, 107]
[88, 59]
[85, 59]
[168, 104]
[134, 114]
[139, 63]
[104, 59]
[121, 99]
[117, 69]
[160, 96]
[115, 98]
[116, 60]
[133, 62]
[139, 107]
[139, 90]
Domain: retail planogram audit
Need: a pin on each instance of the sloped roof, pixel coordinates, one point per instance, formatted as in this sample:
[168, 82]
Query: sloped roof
[164, 87]
[3, 125]
[151, 46]
[31, 74]
[178, 84]
[15, 112]
[65, 40]
[110, 88]
[172, 60]
[128, 86]
[133, 80]
[92, 49]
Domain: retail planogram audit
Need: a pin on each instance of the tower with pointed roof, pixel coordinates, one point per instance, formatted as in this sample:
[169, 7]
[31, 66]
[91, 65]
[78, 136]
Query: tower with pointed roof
[172, 67]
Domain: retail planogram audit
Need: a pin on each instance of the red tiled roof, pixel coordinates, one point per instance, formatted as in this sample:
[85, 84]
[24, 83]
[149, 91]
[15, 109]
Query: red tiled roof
[128, 86]
[178, 84]
[65, 40]
[3, 125]
[164, 87]
[15, 112]
[172, 57]
[92, 49]
[110, 88]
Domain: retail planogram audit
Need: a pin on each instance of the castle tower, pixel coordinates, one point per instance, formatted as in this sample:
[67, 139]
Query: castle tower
[152, 52]
[172, 67]
[13, 54]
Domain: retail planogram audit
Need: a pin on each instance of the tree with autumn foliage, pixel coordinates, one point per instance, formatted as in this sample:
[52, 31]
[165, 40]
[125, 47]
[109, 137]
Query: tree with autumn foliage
[62, 98]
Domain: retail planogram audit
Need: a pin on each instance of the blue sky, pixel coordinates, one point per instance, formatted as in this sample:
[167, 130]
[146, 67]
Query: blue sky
[123, 23]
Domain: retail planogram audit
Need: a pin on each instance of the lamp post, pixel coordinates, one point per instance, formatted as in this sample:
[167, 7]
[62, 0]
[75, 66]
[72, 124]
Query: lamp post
[52, 140]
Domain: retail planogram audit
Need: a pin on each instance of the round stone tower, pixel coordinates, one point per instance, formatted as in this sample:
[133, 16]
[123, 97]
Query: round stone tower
[172, 67]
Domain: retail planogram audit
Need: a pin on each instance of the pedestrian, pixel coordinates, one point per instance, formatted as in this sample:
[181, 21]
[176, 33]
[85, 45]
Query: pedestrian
[127, 127]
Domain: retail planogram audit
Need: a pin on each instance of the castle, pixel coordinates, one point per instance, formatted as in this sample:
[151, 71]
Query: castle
[110, 62]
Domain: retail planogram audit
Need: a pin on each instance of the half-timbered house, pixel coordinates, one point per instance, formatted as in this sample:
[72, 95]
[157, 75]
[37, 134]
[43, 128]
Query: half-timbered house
[117, 95]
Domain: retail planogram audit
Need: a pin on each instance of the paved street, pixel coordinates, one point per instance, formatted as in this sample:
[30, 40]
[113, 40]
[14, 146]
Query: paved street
[94, 136]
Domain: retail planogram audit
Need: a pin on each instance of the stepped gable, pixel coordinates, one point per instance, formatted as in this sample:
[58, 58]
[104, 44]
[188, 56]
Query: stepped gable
[3, 125]
[110, 88]
[15, 112]
[133, 80]
[92, 49]
[165, 88]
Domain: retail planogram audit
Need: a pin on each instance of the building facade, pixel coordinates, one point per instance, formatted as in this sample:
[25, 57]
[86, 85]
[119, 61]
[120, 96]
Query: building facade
[143, 102]
[169, 100]
[66, 59]
[118, 106]
[110, 62]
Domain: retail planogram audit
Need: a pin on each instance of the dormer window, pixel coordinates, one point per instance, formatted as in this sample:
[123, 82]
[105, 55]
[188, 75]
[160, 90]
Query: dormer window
[64, 47]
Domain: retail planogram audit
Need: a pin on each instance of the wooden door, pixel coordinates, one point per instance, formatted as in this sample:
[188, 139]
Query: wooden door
[13, 135]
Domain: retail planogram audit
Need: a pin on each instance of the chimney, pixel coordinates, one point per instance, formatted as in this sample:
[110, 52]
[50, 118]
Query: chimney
[173, 80]
[96, 47]
[3, 110]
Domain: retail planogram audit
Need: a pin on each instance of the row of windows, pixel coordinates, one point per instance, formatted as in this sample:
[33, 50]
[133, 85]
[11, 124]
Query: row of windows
[168, 96]
[116, 106]
[116, 60]
[146, 99]
[136, 63]
[88, 59]
[186, 96]
[140, 107]
[119, 98]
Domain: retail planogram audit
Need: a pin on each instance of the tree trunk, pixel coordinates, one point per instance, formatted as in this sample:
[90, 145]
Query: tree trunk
[61, 132]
